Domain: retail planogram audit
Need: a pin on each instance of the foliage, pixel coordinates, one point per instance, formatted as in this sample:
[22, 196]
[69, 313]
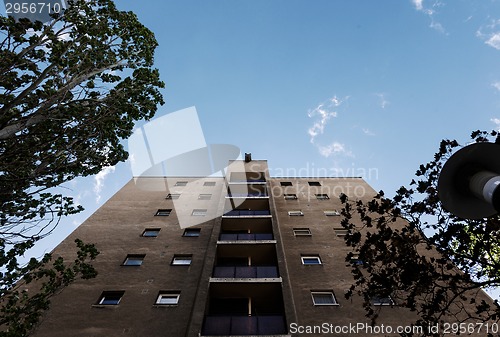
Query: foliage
[21, 310]
[423, 257]
[70, 91]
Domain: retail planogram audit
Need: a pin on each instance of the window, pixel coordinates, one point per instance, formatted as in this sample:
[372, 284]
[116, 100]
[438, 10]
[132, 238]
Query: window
[181, 260]
[295, 213]
[151, 232]
[311, 260]
[110, 297]
[134, 260]
[322, 196]
[314, 183]
[355, 260]
[173, 196]
[192, 232]
[199, 212]
[323, 298]
[163, 212]
[331, 213]
[381, 300]
[290, 196]
[302, 232]
[340, 231]
[209, 183]
[286, 183]
[204, 197]
[168, 298]
[181, 183]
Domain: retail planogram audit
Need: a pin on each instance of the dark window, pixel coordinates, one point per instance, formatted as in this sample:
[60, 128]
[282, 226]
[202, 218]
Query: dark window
[151, 232]
[314, 183]
[311, 260]
[163, 212]
[302, 232]
[209, 183]
[192, 232]
[173, 196]
[110, 297]
[382, 300]
[181, 183]
[286, 183]
[290, 196]
[322, 196]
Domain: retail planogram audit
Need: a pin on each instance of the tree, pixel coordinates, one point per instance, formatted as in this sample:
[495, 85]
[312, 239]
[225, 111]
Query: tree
[70, 91]
[435, 263]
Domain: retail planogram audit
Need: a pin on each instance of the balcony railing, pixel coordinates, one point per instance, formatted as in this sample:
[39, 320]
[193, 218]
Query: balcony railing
[246, 237]
[244, 325]
[247, 195]
[248, 181]
[245, 272]
[247, 213]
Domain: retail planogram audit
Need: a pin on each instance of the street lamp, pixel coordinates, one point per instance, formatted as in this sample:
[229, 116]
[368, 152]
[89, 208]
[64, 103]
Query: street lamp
[469, 183]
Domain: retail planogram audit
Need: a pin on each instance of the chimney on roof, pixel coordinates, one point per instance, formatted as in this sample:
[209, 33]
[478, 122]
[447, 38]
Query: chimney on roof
[248, 157]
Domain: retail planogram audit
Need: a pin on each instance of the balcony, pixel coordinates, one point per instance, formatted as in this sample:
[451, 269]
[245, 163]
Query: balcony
[244, 213]
[244, 325]
[247, 195]
[245, 272]
[246, 237]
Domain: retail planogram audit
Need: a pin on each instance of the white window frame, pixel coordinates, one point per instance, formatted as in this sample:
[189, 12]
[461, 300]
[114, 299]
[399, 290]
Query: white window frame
[205, 196]
[331, 213]
[290, 196]
[199, 212]
[181, 183]
[209, 183]
[173, 196]
[133, 257]
[322, 196]
[316, 257]
[182, 260]
[295, 213]
[170, 295]
[332, 296]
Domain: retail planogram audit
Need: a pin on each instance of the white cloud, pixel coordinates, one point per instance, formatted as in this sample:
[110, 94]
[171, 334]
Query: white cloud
[494, 40]
[368, 132]
[334, 149]
[496, 121]
[490, 34]
[99, 181]
[496, 85]
[418, 4]
[431, 13]
[322, 114]
[382, 100]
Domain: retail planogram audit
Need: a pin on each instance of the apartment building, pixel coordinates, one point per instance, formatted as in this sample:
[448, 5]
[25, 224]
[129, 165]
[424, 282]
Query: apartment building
[241, 255]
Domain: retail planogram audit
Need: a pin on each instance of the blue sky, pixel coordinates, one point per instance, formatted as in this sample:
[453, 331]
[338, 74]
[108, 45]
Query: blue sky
[352, 87]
